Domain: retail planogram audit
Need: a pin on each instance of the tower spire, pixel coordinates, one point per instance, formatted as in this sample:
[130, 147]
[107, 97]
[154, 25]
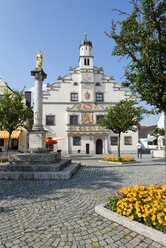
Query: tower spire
[85, 35]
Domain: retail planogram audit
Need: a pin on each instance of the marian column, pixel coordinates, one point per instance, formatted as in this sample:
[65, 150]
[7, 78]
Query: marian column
[37, 136]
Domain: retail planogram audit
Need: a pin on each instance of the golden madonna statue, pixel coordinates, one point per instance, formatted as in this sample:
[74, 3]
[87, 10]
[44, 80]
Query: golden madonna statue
[39, 59]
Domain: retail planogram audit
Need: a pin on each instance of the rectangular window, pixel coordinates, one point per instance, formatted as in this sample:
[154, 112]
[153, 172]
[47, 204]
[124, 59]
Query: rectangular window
[73, 119]
[1, 142]
[50, 120]
[99, 97]
[128, 140]
[74, 97]
[76, 141]
[114, 141]
[98, 118]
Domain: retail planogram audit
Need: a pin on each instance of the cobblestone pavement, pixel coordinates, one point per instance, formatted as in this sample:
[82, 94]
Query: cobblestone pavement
[61, 213]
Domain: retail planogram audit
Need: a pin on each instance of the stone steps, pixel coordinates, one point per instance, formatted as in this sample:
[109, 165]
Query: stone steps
[65, 173]
[59, 165]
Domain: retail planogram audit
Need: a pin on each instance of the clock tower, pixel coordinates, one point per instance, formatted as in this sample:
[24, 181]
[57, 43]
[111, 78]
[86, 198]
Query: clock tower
[86, 58]
[86, 70]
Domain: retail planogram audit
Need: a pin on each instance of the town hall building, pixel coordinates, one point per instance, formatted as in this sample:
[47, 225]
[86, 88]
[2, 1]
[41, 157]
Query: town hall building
[74, 104]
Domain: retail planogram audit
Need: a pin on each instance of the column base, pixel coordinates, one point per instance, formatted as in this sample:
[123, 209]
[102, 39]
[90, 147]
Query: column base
[37, 128]
[37, 141]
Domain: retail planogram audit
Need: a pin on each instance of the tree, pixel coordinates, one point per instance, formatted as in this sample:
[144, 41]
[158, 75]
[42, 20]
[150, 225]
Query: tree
[142, 39]
[13, 112]
[157, 132]
[122, 117]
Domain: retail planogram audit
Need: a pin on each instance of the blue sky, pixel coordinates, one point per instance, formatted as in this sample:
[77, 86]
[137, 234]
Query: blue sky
[56, 27]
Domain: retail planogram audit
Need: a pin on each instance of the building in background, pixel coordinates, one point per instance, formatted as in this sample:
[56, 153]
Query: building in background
[73, 106]
[19, 138]
[160, 124]
[148, 141]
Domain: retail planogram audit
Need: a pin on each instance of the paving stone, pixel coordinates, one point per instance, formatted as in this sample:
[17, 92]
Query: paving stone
[61, 213]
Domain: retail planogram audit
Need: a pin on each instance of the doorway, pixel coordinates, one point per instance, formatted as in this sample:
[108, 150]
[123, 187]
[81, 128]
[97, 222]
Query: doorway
[14, 144]
[99, 146]
[87, 148]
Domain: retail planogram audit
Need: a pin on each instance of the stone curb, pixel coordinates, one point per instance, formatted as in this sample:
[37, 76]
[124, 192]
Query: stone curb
[132, 225]
[121, 163]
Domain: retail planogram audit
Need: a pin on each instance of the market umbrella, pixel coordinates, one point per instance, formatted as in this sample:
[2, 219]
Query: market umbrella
[51, 142]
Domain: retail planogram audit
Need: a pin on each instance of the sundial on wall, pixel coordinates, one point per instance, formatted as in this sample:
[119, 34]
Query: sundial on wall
[87, 77]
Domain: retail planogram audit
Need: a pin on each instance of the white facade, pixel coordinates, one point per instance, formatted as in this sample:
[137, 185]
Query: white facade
[72, 105]
[160, 124]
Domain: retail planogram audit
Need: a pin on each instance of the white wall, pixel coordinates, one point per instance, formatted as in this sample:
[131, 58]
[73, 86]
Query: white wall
[160, 122]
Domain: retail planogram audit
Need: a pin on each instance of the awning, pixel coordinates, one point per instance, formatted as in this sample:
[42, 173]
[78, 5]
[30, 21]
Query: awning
[5, 134]
[57, 138]
[150, 139]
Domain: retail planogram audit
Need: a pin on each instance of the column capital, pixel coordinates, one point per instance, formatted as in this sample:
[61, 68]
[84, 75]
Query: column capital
[39, 74]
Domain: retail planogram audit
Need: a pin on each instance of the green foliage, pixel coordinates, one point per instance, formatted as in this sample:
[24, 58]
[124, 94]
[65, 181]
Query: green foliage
[158, 132]
[112, 200]
[13, 112]
[122, 117]
[142, 39]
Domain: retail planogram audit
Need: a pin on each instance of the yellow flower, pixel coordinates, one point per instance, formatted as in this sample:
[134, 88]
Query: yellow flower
[131, 217]
[153, 217]
[161, 221]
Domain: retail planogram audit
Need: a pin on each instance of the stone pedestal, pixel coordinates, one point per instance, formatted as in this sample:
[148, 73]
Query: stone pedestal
[37, 141]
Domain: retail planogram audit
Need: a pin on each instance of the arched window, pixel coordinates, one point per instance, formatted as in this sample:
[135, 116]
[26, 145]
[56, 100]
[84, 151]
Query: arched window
[84, 61]
[87, 61]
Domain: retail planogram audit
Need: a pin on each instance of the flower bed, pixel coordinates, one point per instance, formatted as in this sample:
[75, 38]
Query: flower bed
[119, 159]
[4, 159]
[142, 204]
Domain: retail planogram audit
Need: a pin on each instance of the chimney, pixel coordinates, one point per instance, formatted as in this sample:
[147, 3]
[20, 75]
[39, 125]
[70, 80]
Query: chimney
[28, 98]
